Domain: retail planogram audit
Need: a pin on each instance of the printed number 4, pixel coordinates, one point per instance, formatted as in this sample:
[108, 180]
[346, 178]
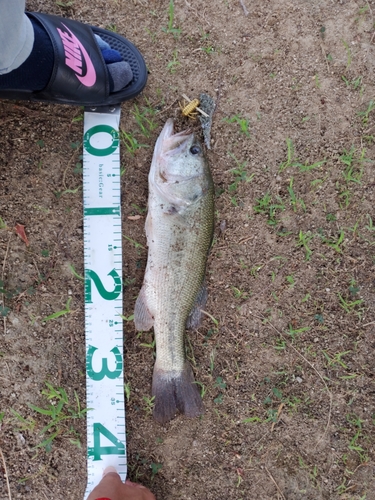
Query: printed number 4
[97, 450]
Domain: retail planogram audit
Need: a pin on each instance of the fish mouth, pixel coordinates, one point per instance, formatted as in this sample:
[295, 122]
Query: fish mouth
[169, 146]
[174, 144]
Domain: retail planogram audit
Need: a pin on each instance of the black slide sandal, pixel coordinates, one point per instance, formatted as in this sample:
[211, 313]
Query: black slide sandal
[79, 75]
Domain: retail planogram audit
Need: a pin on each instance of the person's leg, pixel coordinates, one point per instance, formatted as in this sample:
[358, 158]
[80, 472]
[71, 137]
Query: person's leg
[69, 62]
[28, 68]
[16, 35]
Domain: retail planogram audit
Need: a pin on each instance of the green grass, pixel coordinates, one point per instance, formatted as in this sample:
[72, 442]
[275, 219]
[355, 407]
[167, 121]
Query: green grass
[57, 314]
[354, 84]
[174, 64]
[294, 201]
[306, 168]
[4, 311]
[291, 161]
[59, 194]
[2, 224]
[331, 217]
[152, 35]
[176, 32]
[267, 205]
[365, 114]
[149, 404]
[75, 274]
[135, 243]
[243, 123]
[65, 5]
[353, 419]
[355, 444]
[112, 27]
[335, 243]
[353, 164]
[208, 49]
[350, 306]
[220, 384]
[144, 119]
[130, 142]
[57, 413]
[155, 468]
[206, 46]
[344, 197]
[294, 332]
[239, 173]
[150, 345]
[290, 279]
[239, 294]
[23, 424]
[336, 359]
[348, 54]
[289, 156]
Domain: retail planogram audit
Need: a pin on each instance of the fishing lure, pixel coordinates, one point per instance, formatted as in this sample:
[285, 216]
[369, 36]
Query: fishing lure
[190, 109]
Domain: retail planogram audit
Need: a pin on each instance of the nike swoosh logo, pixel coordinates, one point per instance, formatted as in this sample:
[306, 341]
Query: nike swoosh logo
[74, 52]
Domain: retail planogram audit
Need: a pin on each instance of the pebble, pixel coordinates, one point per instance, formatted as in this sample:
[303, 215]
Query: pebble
[21, 440]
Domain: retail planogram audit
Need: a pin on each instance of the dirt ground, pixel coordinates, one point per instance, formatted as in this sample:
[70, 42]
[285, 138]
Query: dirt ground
[286, 363]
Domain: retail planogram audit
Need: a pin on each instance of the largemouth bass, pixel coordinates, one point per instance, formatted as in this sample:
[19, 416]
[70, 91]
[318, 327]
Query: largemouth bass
[179, 229]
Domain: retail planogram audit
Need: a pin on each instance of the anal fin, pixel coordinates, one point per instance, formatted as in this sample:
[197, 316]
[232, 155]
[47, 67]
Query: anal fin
[195, 317]
[143, 319]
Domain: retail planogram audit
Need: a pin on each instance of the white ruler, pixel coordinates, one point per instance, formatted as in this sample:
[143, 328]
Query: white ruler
[106, 438]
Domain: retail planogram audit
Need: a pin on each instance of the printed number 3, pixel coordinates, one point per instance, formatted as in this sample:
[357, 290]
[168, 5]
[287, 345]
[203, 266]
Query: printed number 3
[104, 372]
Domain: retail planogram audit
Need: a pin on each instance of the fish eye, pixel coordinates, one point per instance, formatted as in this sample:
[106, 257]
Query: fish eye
[195, 150]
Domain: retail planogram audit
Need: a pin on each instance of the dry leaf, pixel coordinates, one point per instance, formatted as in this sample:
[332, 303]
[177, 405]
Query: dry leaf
[280, 409]
[20, 230]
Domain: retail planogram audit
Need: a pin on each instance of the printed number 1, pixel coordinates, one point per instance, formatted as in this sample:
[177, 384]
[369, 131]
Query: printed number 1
[97, 450]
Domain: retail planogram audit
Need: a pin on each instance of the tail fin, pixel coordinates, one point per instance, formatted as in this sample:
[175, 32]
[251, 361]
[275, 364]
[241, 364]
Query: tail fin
[175, 391]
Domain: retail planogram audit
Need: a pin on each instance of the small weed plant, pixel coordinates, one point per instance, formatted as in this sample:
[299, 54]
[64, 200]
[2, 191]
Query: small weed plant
[174, 64]
[269, 206]
[239, 173]
[130, 142]
[365, 114]
[243, 123]
[144, 119]
[176, 32]
[59, 413]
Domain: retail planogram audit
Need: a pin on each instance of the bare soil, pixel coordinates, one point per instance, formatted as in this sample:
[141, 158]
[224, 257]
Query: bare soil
[287, 368]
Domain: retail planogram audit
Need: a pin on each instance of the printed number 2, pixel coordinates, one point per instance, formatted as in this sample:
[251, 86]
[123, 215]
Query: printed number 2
[105, 294]
[104, 372]
[97, 451]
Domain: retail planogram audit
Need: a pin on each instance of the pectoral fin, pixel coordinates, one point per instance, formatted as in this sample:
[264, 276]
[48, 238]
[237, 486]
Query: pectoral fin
[195, 317]
[148, 228]
[143, 319]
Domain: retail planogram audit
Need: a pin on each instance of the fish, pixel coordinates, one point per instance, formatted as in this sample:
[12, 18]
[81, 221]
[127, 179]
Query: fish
[179, 229]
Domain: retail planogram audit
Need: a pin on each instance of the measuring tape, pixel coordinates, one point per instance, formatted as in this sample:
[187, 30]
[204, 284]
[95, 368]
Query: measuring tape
[106, 439]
